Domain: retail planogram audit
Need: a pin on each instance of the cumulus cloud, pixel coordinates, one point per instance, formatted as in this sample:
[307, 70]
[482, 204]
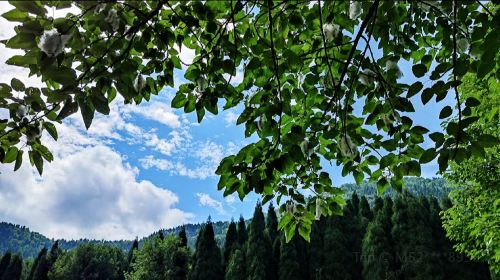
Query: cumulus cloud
[206, 200]
[91, 193]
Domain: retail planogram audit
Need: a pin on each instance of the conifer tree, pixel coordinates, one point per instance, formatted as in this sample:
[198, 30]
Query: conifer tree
[258, 248]
[236, 266]
[4, 263]
[317, 251]
[336, 250]
[289, 264]
[14, 270]
[55, 252]
[131, 254]
[160, 235]
[41, 254]
[272, 223]
[378, 256]
[230, 242]
[242, 232]
[275, 259]
[183, 237]
[364, 209]
[207, 257]
[377, 205]
[353, 204]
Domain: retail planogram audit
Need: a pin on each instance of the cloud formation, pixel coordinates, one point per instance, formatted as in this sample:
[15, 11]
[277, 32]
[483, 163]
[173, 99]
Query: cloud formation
[91, 193]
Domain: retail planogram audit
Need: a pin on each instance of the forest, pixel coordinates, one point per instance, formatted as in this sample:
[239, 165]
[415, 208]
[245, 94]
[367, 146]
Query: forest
[389, 238]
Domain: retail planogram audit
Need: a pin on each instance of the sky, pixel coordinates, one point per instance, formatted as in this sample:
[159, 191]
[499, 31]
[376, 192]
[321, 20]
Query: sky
[137, 170]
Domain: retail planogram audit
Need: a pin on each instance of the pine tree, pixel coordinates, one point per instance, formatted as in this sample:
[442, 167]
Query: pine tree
[207, 257]
[4, 263]
[242, 232]
[258, 248]
[289, 264]
[236, 266]
[160, 235]
[230, 242]
[275, 259]
[14, 270]
[183, 237]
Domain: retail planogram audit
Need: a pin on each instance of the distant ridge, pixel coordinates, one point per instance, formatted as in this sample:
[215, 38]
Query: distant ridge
[20, 240]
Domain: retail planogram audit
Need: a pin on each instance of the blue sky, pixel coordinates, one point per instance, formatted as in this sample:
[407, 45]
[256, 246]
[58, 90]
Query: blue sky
[140, 169]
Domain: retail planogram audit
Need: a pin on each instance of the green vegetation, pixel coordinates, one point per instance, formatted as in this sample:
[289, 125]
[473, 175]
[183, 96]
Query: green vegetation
[306, 66]
[403, 239]
[474, 219]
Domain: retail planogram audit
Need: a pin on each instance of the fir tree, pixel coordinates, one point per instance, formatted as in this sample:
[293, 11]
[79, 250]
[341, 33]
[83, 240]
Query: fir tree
[207, 257]
[317, 251]
[14, 270]
[230, 242]
[183, 237]
[236, 266]
[4, 263]
[258, 248]
[160, 235]
[242, 232]
[353, 204]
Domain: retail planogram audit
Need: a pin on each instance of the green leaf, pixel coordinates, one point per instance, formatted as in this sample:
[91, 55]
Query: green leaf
[11, 155]
[63, 75]
[305, 232]
[51, 129]
[419, 70]
[445, 112]
[17, 85]
[179, 101]
[29, 6]
[486, 141]
[22, 41]
[413, 168]
[37, 160]
[19, 160]
[285, 220]
[414, 89]
[16, 15]
[87, 112]
[472, 102]
[428, 155]
[70, 107]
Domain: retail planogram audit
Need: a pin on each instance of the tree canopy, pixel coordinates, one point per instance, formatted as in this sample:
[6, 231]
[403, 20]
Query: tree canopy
[306, 67]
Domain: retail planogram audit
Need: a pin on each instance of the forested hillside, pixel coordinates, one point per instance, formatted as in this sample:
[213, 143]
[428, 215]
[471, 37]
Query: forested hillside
[400, 238]
[22, 241]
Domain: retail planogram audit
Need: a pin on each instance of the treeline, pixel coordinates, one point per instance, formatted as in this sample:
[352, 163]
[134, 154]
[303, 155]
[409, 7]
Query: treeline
[26, 243]
[394, 239]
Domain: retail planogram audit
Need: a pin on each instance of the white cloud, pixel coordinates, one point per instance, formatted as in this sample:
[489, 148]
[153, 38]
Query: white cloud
[206, 154]
[156, 111]
[230, 117]
[230, 199]
[206, 200]
[91, 193]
